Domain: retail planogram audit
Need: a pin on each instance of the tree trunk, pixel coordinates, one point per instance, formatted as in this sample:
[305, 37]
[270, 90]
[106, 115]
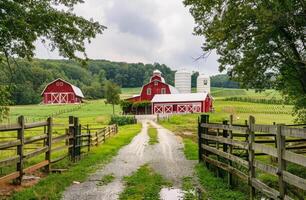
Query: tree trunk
[113, 109]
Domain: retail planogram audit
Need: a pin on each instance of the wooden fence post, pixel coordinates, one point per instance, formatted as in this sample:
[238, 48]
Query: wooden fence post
[281, 147]
[49, 144]
[97, 139]
[230, 151]
[89, 137]
[201, 130]
[200, 150]
[225, 146]
[71, 138]
[76, 139]
[20, 152]
[251, 156]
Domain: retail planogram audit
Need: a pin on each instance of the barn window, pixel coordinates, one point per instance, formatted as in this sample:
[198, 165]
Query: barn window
[205, 82]
[163, 90]
[149, 91]
[59, 84]
[155, 83]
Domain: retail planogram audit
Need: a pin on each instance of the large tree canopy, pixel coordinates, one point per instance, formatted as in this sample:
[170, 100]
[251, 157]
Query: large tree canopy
[22, 22]
[259, 42]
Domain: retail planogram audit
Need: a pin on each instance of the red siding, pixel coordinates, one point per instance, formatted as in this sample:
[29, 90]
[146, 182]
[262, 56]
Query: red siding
[156, 88]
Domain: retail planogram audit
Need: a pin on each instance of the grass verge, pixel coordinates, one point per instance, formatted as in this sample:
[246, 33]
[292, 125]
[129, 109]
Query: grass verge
[53, 185]
[152, 132]
[215, 187]
[143, 184]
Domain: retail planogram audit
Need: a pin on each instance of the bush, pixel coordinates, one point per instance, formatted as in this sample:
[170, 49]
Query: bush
[122, 120]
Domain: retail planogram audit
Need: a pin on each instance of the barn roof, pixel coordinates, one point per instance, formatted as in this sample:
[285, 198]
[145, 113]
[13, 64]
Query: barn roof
[173, 90]
[78, 92]
[187, 97]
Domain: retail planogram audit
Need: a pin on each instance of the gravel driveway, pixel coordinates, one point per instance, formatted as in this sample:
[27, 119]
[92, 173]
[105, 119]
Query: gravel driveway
[166, 158]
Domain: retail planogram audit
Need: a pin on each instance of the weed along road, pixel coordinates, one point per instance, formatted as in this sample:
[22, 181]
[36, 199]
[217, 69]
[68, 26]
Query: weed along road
[165, 158]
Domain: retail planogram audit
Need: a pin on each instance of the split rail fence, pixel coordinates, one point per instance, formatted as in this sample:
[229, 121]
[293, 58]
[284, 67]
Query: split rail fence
[235, 149]
[74, 143]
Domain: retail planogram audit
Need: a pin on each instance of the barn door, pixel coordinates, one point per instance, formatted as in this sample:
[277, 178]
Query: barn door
[181, 108]
[63, 98]
[168, 109]
[55, 97]
[158, 109]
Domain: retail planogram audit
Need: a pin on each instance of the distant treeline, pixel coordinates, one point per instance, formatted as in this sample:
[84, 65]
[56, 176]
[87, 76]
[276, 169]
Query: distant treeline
[220, 80]
[26, 80]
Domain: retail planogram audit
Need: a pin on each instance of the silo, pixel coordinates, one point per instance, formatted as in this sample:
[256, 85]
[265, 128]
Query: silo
[183, 81]
[203, 83]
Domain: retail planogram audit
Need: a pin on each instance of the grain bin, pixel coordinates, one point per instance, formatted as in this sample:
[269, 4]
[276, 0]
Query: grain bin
[203, 83]
[183, 81]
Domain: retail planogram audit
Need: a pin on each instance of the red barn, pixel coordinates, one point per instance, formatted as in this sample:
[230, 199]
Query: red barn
[156, 85]
[61, 92]
[181, 103]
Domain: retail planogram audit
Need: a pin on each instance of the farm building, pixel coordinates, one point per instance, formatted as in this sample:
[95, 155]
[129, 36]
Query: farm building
[157, 85]
[181, 103]
[158, 97]
[61, 92]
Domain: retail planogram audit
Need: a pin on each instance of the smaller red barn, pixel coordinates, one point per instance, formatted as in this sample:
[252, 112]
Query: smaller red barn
[61, 92]
[181, 103]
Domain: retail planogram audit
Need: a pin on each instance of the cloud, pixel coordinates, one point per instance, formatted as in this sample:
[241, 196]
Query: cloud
[144, 31]
[131, 17]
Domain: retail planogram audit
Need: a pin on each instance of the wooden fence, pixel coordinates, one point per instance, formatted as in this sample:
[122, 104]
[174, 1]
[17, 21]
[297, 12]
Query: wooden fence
[235, 149]
[76, 138]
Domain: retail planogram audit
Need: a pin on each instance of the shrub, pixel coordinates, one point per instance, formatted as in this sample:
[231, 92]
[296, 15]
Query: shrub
[122, 120]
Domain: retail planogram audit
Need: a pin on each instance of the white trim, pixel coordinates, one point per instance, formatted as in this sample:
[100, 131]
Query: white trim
[167, 108]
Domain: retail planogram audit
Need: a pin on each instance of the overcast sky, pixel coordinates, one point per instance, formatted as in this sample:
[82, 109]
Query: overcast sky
[145, 31]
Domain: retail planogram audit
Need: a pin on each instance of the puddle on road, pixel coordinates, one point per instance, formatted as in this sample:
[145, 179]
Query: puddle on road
[171, 194]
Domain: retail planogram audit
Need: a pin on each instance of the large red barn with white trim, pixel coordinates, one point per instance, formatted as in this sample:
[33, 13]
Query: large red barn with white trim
[61, 92]
[166, 99]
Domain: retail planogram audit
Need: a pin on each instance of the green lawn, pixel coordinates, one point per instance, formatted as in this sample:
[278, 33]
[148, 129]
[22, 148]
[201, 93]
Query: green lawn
[215, 188]
[90, 112]
[53, 185]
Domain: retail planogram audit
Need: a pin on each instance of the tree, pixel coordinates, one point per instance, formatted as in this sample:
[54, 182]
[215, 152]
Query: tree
[260, 43]
[24, 22]
[194, 77]
[4, 96]
[112, 94]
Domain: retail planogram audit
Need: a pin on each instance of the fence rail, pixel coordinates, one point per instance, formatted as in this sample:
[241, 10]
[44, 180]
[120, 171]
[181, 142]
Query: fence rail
[221, 146]
[74, 140]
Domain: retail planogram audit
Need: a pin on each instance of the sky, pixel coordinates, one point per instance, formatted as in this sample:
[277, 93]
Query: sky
[145, 31]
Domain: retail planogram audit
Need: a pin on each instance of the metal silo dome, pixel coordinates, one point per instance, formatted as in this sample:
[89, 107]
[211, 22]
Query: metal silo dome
[183, 81]
[203, 83]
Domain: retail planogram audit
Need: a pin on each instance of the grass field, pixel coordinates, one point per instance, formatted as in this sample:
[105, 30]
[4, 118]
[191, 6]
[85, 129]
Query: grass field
[90, 112]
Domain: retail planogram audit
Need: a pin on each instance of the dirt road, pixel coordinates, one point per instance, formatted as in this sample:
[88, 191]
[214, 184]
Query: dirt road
[166, 158]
